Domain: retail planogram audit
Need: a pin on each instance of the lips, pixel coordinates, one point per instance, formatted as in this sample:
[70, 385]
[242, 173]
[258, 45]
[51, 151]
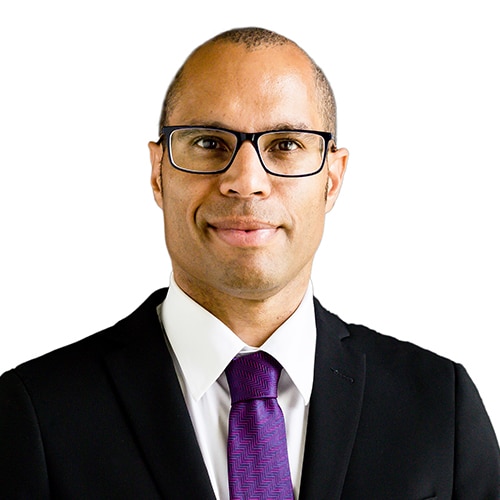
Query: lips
[243, 232]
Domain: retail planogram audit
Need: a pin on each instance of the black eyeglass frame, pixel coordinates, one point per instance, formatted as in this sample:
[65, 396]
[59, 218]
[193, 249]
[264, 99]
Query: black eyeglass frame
[241, 137]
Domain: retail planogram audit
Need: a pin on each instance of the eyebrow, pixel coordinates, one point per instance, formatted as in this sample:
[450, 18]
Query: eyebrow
[276, 126]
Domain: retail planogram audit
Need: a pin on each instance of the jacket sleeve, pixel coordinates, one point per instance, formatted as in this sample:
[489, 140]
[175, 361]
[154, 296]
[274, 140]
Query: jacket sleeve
[23, 471]
[477, 456]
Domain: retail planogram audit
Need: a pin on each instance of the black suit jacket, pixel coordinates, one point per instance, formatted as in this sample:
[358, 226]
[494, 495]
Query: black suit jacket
[105, 419]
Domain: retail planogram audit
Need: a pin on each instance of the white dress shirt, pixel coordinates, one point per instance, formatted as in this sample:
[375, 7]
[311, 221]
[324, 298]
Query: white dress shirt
[202, 346]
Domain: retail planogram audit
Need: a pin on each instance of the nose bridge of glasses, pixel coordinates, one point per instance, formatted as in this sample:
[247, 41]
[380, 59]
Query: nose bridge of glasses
[251, 137]
[248, 136]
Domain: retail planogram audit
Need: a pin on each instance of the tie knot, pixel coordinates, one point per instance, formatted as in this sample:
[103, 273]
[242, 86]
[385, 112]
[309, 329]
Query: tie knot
[253, 376]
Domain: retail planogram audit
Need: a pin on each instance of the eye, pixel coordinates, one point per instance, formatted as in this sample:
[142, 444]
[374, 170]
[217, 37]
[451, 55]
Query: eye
[209, 143]
[283, 142]
[287, 145]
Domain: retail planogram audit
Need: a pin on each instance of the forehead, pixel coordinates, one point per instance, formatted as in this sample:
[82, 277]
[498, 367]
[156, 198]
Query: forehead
[247, 89]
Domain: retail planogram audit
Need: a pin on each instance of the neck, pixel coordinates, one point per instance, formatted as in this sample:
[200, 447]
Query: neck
[253, 316]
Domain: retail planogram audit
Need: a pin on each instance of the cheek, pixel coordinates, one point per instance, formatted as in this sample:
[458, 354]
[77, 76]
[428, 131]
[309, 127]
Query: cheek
[175, 209]
[309, 212]
[183, 194]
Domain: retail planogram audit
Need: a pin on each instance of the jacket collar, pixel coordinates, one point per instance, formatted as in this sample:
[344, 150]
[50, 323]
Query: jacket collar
[147, 386]
[336, 402]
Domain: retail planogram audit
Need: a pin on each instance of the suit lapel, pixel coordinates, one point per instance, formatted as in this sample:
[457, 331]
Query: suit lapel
[146, 383]
[335, 408]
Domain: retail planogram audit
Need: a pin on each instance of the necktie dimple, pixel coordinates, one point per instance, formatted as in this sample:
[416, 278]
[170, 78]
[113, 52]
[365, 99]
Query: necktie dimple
[257, 453]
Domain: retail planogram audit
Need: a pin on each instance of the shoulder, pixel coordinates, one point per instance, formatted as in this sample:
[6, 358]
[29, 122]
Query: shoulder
[383, 353]
[84, 359]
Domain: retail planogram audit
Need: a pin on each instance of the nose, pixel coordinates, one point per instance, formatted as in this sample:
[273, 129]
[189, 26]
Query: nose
[246, 176]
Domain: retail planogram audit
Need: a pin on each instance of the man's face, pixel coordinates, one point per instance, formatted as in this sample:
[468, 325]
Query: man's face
[245, 233]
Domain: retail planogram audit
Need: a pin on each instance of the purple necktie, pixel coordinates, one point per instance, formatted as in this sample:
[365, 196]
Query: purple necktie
[257, 454]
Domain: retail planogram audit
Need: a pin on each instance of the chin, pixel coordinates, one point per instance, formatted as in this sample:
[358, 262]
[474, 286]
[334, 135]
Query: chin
[255, 283]
[249, 282]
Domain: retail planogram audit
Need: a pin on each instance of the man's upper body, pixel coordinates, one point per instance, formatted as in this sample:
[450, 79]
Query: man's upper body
[245, 171]
[107, 418]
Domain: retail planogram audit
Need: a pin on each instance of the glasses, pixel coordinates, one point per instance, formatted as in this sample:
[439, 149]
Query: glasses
[285, 153]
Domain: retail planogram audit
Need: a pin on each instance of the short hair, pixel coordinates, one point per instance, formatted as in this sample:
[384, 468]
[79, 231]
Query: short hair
[252, 39]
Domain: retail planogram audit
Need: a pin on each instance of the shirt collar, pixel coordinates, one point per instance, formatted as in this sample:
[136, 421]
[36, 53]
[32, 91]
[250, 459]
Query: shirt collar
[204, 346]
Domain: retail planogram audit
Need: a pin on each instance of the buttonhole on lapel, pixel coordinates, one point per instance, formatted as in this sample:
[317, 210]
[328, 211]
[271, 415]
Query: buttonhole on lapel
[342, 375]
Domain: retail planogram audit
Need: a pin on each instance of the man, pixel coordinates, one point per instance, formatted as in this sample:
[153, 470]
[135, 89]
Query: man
[245, 170]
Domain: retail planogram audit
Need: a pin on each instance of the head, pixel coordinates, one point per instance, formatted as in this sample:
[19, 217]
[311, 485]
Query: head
[244, 232]
[253, 39]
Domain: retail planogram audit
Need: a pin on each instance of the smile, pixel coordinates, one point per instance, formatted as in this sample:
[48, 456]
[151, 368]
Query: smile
[244, 234]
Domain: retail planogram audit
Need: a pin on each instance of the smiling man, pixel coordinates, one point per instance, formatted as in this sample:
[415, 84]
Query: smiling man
[252, 228]
[235, 382]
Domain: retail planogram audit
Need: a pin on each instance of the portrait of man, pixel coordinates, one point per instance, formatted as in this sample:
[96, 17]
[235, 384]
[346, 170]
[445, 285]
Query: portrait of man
[234, 382]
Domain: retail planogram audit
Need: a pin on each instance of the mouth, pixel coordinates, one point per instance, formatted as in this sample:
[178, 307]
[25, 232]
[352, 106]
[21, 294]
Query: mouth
[244, 233]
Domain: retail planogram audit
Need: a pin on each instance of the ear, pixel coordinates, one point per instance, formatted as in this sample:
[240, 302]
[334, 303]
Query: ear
[337, 163]
[156, 156]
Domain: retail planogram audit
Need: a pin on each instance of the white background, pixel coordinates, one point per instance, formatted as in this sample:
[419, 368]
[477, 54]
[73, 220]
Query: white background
[412, 248]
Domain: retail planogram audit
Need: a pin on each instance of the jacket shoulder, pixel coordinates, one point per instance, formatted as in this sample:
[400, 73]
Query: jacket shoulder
[86, 354]
[384, 352]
